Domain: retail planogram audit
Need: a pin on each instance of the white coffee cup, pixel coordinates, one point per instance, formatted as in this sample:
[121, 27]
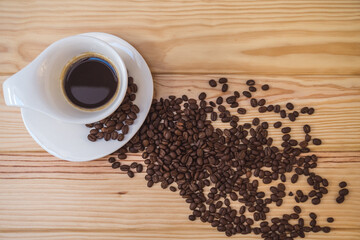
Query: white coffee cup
[38, 85]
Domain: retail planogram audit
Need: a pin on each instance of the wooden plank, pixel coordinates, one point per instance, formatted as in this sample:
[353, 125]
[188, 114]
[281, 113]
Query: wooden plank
[272, 37]
[335, 98]
[43, 198]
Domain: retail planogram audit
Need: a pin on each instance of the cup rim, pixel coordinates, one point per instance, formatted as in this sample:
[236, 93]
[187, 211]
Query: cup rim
[119, 95]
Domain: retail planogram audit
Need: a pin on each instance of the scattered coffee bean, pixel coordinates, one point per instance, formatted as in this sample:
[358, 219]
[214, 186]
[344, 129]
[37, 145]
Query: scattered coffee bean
[297, 209]
[224, 88]
[290, 106]
[294, 178]
[253, 102]
[313, 215]
[330, 219]
[277, 124]
[115, 165]
[311, 111]
[139, 168]
[286, 130]
[265, 87]
[340, 199]
[304, 110]
[219, 100]
[262, 102]
[212, 83]
[316, 141]
[130, 174]
[252, 89]
[223, 80]
[247, 94]
[236, 94]
[250, 82]
[202, 96]
[342, 184]
[343, 192]
[241, 111]
[282, 114]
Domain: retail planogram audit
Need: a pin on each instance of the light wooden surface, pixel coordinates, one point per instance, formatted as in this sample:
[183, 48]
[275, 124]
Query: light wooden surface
[307, 51]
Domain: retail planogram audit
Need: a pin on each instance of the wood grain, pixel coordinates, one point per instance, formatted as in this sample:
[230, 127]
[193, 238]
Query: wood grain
[335, 98]
[43, 198]
[266, 37]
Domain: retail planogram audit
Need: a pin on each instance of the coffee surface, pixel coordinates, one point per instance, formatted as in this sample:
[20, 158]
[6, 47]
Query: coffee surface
[90, 82]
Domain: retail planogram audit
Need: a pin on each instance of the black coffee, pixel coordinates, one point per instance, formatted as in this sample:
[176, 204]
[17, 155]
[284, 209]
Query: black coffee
[90, 82]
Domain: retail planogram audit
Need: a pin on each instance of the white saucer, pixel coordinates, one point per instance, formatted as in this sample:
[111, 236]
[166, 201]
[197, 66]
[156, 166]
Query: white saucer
[69, 141]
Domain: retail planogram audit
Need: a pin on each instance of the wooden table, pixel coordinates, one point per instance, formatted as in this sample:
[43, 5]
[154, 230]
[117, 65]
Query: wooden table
[308, 51]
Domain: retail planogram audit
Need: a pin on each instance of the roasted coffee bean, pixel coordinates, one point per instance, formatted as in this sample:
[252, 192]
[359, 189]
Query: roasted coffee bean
[316, 141]
[277, 124]
[223, 80]
[111, 160]
[213, 116]
[330, 219]
[342, 184]
[326, 229]
[125, 168]
[297, 209]
[256, 121]
[265, 87]
[311, 111]
[230, 99]
[315, 201]
[202, 96]
[307, 129]
[139, 168]
[292, 117]
[250, 82]
[343, 192]
[270, 108]
[122, 156]
[290, 106]
[92, 137]
[224, 87]
[120, 137]
[236, 94]
[241, 110]
[219, 100]
[277, 108]
[286, 130]
[252, 89]
[212, 83]
[247, 94]
[294, 178]
[282, 114]
[234, 105]
[133, 165]
[304, 110]
[253, 102]
[340, 199]
[261, 102]
[172, 188]
[115, 165]
[130, 174]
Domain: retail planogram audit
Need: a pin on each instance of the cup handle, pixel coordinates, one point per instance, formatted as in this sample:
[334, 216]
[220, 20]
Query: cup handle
[21, 88]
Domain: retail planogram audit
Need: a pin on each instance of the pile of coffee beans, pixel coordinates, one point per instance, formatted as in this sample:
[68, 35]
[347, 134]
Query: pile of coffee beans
[212, 168]
[116, 126]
